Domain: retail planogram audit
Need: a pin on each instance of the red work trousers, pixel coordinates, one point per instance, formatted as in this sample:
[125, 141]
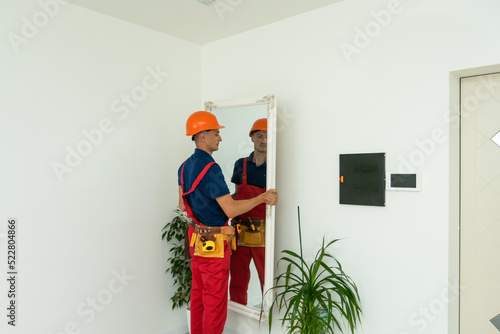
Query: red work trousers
[209, 291]
[240, 271]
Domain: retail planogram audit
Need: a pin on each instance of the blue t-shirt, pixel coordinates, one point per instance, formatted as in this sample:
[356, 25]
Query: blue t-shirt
[203, 199]
[256, 175]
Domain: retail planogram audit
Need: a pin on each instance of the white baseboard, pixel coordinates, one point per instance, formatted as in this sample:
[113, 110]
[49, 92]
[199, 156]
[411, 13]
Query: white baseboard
[180, 330]
[184, 330]
[229, 331]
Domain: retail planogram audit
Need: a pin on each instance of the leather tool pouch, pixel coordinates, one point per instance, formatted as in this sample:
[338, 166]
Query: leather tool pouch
[249, 237]
[209, 243]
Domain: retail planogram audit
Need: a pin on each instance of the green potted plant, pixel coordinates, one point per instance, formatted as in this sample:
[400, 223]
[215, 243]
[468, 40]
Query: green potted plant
[318, 297]
[178, 265]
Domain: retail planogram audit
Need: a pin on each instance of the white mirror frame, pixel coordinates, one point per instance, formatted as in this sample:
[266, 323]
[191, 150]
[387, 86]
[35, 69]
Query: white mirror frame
[270, 101]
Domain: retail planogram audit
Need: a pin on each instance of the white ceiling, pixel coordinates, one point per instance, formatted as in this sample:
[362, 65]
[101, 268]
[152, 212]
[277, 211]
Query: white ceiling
[199, 23]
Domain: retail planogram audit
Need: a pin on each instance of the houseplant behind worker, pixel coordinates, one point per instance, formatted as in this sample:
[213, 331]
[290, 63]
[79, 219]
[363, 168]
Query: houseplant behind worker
[204, 195]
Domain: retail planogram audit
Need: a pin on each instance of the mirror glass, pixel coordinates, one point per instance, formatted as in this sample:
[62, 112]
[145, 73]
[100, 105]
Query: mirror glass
[238, 116]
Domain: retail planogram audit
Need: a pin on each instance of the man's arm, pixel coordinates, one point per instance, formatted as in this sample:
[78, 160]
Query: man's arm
[181, 201]
[234, 208]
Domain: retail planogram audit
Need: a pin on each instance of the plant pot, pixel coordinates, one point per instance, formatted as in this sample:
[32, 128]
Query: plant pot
[188, 314]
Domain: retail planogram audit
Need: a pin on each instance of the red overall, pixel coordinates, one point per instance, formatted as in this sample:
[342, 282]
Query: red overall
[242, 256]
[210, 279]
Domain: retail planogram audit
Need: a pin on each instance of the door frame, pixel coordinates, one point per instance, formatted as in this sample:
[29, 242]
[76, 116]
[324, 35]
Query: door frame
[454, 122]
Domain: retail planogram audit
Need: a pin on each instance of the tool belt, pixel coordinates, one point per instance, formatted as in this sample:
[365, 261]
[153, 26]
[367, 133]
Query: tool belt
[208, 241]
[251, 233]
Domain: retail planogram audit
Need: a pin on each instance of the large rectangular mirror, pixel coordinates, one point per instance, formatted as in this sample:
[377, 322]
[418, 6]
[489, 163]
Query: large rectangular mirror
[238, 116]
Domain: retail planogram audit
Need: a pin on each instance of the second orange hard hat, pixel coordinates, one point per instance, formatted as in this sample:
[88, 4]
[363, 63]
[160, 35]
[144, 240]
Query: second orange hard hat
[260, 124]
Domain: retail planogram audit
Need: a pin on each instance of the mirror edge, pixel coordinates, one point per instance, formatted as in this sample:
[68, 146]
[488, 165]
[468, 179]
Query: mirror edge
[270, 210]
[270, 101]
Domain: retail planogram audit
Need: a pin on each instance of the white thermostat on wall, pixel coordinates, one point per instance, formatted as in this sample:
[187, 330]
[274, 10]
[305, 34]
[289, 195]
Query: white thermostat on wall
[403, 181]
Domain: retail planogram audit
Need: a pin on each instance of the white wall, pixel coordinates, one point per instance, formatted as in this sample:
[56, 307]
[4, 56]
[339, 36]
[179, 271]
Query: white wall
[391, 95]
[103, 219]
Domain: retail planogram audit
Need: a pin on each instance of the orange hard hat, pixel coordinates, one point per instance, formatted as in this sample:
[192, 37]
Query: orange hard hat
[260, 124]
[201, 121]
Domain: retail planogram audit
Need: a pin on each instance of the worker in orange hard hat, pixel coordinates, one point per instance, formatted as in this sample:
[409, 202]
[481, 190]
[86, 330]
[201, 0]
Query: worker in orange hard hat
[204, 195]
[249, 177]
[201, 121]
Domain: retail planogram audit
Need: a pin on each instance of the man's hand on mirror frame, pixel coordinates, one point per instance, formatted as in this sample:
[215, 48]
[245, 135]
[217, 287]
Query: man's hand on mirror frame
[271, 197]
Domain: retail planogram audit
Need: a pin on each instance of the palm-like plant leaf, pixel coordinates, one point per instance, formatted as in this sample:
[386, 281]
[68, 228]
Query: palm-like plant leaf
[317, 297]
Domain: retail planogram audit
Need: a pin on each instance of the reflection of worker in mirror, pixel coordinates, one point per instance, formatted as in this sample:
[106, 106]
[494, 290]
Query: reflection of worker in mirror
[204, 195]
[249, 176]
